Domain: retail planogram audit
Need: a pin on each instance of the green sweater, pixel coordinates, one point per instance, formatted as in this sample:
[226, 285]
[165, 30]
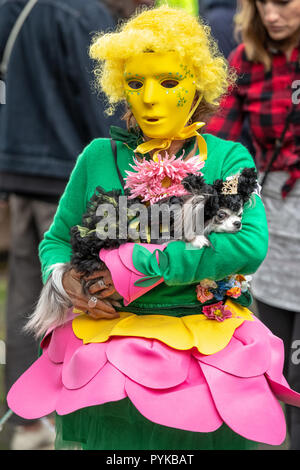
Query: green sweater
[239, 253]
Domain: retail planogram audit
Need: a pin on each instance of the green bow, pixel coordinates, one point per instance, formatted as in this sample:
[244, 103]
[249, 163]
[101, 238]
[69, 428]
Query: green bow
[146, 263]
[131, 138]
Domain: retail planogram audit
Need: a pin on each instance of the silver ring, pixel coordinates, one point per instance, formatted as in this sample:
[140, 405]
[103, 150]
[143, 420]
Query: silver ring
[101, 283]
[92, 302]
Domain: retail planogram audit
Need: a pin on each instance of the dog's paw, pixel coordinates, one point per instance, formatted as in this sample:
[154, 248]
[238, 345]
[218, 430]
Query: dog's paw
[200, 241]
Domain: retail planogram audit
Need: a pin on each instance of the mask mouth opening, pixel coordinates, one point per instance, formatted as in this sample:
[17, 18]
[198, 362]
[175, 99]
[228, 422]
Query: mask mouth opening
[152, 119]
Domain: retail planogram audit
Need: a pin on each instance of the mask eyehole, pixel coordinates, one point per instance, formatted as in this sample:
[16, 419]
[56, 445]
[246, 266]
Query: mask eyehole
[169, 83]
[135, 84]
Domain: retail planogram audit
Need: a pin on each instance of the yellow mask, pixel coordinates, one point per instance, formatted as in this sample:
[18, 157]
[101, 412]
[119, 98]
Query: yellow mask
[160, 90]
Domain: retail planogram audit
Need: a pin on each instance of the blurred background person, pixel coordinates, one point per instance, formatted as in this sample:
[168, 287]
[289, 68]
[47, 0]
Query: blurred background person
[219, 14]
[191, 6]
[267, 63]
[121, 9]
[51, 113]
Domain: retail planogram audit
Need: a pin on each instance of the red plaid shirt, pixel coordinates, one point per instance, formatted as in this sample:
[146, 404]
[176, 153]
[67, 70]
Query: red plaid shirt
[266, 98]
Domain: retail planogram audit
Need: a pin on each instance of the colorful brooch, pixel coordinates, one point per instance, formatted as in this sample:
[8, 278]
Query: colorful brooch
[217, 312]
[155, 180]
[232, 286]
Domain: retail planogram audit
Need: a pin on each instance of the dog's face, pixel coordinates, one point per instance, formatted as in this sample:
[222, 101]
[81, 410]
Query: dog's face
[225, 220]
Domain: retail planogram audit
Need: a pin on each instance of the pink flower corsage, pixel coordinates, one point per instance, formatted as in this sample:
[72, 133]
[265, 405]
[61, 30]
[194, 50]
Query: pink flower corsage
[155, 180]
[203, 294]
[217, 312]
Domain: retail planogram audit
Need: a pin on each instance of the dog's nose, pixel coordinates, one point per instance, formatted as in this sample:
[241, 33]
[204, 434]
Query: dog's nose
[237, 224]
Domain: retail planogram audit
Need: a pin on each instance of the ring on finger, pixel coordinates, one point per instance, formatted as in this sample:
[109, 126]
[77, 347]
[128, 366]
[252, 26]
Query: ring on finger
[101, 282]
[92, 302]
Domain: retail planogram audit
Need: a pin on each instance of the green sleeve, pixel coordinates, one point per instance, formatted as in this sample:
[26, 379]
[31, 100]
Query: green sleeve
[55, 247]
[239, 253]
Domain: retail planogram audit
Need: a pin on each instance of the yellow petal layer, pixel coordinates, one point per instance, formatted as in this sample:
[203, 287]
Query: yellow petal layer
[208, 336]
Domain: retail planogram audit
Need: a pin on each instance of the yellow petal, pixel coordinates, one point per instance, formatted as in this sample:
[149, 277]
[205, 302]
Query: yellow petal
[211, 336]
[169, 330]
[208, 336]
[91, 330]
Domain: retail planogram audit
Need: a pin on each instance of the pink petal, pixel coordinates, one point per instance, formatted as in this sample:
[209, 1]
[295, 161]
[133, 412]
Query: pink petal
[275, 369]
[59, 340]
[247, 354]
[106, 386]
[251, 332]
[121, 275]
[247, 405]
[84, 365]
[188, 406]
[70, 315]
[274, 349]
[284, 393]
[137, 291]
[124, 274]
[149, 362]
[35, 393]
[125, 252]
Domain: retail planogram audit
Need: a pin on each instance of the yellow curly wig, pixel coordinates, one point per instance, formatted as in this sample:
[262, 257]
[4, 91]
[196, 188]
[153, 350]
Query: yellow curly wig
[160, 30]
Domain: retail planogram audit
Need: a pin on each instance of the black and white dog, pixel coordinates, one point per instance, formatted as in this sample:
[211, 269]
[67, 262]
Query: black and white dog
[222, 204]
[218, 206]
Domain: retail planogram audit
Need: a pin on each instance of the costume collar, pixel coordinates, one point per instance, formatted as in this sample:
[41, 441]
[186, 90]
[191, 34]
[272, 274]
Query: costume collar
[131, 138]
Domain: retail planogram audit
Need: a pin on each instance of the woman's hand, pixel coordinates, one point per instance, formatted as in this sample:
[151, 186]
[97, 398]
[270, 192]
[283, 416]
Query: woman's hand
[95, 305]
[100, 283]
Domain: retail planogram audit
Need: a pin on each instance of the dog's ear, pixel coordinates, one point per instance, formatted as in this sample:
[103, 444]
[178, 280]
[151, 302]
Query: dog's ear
[194, 184]
[247, 183]
[218, 186]
[212, 204]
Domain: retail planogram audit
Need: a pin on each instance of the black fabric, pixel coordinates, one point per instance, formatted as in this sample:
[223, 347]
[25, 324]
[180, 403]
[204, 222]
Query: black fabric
[43, 188]
[286, 325]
